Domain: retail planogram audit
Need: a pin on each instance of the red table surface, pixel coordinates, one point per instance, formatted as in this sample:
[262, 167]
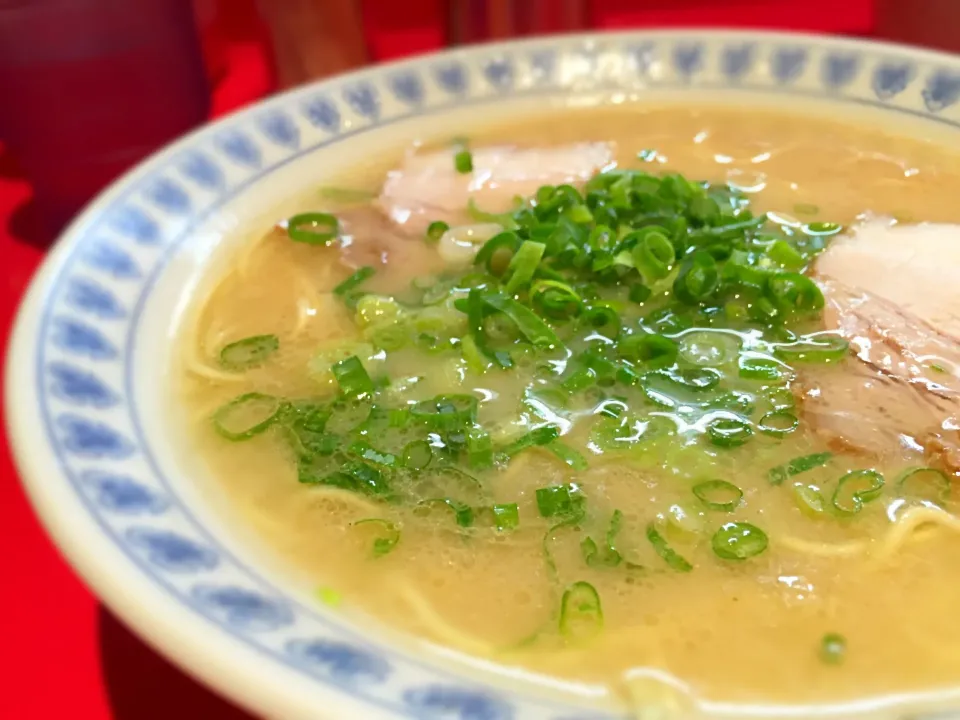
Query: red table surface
[63, 654]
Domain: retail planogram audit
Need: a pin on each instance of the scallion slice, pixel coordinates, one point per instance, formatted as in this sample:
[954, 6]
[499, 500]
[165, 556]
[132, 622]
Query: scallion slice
[246, 416]
[436, 229]
[352, 377]
[581, 615]
[817, 348]
[506, 516]
[856, 488]
[463, 161]
[778, 423]
[663, 549]
[654, 256]
[462, 512]
[555, 299]
[794, 291]
[654, 351]
[538, 436]
[729, 432]
[313, 228]
[388, 537]
[417, 454]
[567, 454]
[833, 648]
[365, 451]
[739, 541]
[523, 265]
[446, 412]
[809, 500]
[249, 353]
[924, 483]
[719, 495]
[355, 280]
[559, 500]
[798, 465]
[608, 556]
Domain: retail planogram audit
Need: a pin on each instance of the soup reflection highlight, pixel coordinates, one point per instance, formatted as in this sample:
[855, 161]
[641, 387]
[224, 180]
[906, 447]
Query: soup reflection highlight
[668, 389]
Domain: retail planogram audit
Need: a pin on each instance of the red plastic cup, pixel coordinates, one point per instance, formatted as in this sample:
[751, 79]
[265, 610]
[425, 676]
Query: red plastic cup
[89, 87]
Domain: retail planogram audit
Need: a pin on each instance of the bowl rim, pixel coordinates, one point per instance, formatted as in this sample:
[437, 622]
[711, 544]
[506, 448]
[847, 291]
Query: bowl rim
[177, 633]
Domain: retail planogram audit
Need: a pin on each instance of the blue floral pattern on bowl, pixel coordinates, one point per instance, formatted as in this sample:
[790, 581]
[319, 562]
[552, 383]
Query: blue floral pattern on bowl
[83, 375]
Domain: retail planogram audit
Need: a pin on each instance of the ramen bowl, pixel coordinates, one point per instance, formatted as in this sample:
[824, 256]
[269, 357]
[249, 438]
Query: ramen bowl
[89, 379]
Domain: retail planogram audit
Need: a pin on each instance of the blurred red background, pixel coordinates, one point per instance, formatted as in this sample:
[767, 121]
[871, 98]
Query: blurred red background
[63, 655]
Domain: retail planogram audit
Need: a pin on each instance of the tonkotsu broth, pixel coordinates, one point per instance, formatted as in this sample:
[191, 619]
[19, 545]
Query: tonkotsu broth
[748, 630]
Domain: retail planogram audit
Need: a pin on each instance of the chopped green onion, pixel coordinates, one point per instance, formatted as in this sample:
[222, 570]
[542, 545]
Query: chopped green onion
[639, 293]
[785, 255]
[479, 448]
[446, 412]
[246, 416]
[602, 318]
[709, 348]
[697, 379]
[417, 454]
[364, 451]
[436, 229]
[313, 228]
[352, 377]
[387, 540]
[538, 436]
[358, 278]
[567, 454]
[523, 265]
[537, 332]
[366, 478]
[794, 291]
[854, 503]
[818, 348]
[924, 483]
[559, 501]
[778, 423]
[609, 556]
[809, 499]
[581, 616]
[654, 256]
[719, 495]
[655, 351]
[506, 516]
[572, 520]
[505, 220]
[669, 555]
[249, 352]
[780, 398]
[462, 512]
[463, 162]
[757, 368]
[823, 228]
[833, 648]
[475, 315]
[806, 209]
[698, 278]
[729, 432]
[555, 299]
[798, 465]
[739, 541]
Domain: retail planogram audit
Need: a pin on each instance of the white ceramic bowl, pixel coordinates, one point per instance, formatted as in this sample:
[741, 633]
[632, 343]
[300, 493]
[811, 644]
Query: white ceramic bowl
[87, 382]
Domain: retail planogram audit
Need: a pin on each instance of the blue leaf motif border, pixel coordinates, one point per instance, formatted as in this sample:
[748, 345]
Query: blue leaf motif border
[83, 371]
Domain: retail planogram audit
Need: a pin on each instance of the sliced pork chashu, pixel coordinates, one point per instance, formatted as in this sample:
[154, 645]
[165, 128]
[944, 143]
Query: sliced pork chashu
[894, 293]
[427, 186]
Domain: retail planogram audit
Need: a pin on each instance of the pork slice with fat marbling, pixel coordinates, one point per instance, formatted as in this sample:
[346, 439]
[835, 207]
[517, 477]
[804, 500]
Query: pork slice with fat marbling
[892, 292]
[427, 186]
